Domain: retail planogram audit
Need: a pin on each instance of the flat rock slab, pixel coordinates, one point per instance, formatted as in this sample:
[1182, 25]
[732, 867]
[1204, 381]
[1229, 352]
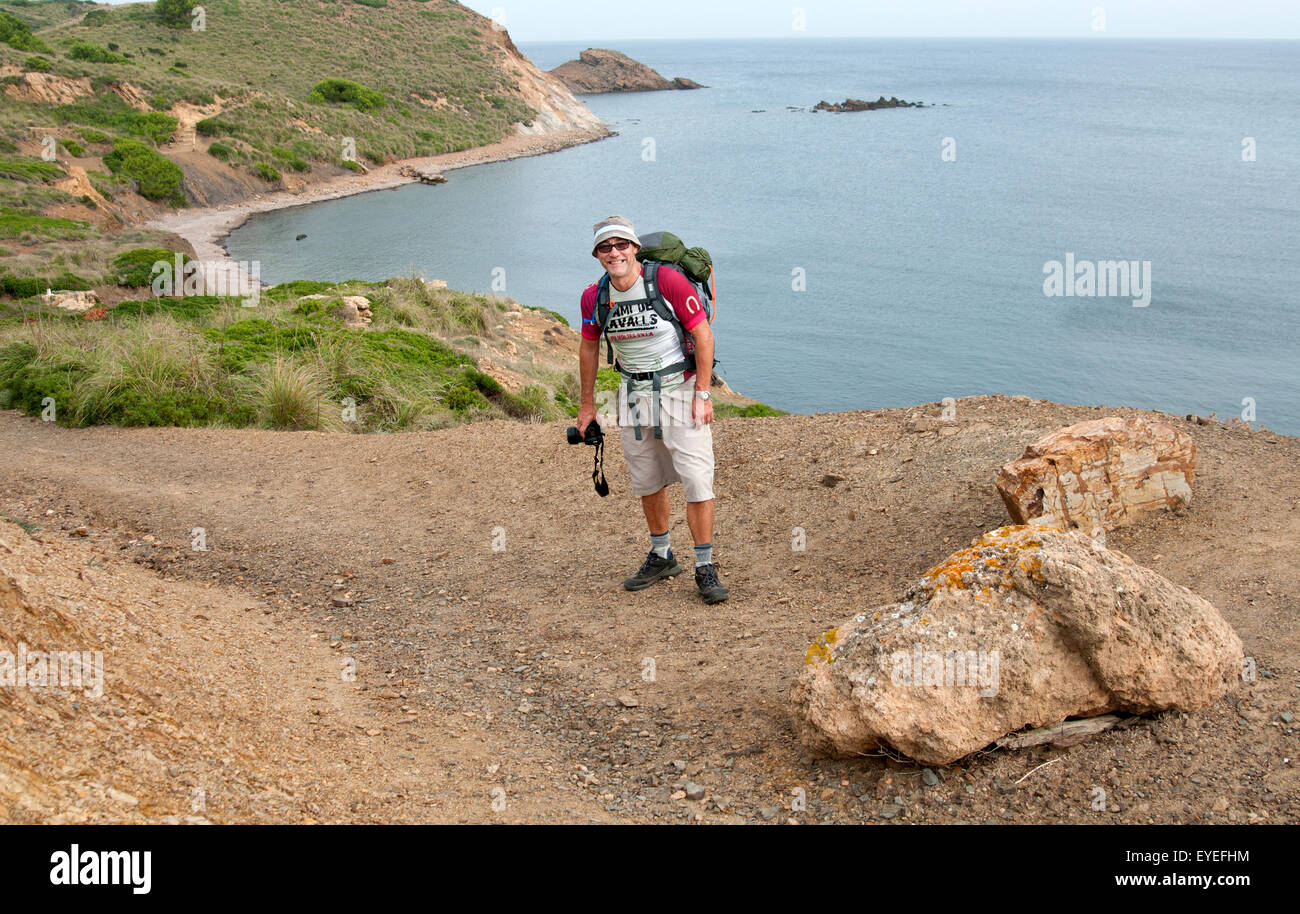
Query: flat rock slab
[1027, 627]
[1101, 474]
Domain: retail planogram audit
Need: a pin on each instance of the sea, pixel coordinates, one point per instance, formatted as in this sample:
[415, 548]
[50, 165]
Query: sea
[1111, 222]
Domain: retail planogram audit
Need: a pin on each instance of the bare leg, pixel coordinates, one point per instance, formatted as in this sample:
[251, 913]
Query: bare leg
[699, 515]
[657, 512]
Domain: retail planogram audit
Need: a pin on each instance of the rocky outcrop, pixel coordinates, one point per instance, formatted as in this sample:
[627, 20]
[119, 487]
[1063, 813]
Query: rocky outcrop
[71, 301]
[1027, 627]
[45, 88]
[600, 70]
[423, 175]
[857, 104]
[1101, 474]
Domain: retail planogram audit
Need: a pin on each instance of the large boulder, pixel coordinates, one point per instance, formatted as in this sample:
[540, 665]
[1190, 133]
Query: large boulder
[1025, 628]
[1101, 474]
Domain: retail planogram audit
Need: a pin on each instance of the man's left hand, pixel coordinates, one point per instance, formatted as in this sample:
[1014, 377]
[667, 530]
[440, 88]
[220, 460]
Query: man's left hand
[702, 412]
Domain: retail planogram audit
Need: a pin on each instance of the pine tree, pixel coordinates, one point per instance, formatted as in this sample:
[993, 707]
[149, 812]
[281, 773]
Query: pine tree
[174, 13]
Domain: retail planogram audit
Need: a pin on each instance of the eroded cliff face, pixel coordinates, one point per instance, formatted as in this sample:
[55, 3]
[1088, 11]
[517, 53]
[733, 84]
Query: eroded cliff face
[557, 109]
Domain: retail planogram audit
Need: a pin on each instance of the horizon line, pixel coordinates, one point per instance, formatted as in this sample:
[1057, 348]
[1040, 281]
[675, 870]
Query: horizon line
[916, 38]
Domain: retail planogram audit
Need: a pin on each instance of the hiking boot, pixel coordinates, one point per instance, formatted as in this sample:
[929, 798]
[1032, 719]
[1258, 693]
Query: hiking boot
[711, 589]
[653, 569]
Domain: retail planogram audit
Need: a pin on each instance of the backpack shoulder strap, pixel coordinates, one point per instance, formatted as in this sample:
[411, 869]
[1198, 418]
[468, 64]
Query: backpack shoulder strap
[602, 312]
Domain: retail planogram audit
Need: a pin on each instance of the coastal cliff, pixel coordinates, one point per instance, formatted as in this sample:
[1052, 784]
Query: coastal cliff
[121, 122]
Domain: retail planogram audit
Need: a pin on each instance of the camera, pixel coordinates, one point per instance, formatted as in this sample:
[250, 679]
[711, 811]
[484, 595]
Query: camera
[596, 438]
[594, 435]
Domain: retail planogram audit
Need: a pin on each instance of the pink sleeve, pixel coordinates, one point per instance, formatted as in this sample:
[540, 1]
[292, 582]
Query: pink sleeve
[685, 300]
[589, 331]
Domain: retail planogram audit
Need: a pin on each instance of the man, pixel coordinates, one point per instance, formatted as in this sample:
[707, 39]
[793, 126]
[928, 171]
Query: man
[643, 344]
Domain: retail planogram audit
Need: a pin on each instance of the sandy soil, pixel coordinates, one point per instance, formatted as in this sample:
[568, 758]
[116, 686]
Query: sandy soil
[474, 579]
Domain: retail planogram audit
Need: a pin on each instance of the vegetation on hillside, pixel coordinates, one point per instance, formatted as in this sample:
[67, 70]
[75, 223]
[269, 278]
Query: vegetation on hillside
[291, 87]
[287, 363]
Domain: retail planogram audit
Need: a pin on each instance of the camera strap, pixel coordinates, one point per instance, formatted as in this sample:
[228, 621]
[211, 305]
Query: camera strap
[598, 470]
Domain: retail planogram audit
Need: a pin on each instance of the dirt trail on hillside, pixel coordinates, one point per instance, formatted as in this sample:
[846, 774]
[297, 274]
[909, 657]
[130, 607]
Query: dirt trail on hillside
[474, 579]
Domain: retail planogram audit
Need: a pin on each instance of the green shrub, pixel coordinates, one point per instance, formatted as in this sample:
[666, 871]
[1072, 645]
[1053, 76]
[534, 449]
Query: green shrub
[266, 171]
[95, 17]
[74, 148]
[345, 91]
[221, 151]
[39, 64]
[134, 268]
[258, 340]
[93, 53]
[351, 165]
[296, 289]
[290, 159]
[377, 4]
[108, 110]
[28, 379]
[174, 14]
[71, 282]
[159, 178]
[188, 308]
[752, 411]
[93, 136]
[529, 403]
[211, 126]
[24, 287]
[17, 34]
[155, 125]
[7, 146]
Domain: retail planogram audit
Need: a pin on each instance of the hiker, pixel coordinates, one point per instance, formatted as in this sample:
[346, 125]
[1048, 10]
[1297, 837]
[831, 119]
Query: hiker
[667, 436]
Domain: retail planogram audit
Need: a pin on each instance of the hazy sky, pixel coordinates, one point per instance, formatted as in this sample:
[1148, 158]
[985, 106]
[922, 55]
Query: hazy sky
[584, 20]
[598, 20]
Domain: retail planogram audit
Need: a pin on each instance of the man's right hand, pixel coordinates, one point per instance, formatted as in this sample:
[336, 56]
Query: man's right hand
[586, 415]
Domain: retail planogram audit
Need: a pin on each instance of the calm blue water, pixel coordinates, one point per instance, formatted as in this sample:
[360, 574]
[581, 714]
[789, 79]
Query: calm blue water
[924, 278]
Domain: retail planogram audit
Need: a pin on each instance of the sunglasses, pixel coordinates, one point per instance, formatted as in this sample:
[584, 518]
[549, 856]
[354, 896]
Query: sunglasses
[613, 246]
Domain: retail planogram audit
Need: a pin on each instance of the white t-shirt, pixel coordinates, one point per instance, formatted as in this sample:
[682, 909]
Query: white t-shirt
[643, 341]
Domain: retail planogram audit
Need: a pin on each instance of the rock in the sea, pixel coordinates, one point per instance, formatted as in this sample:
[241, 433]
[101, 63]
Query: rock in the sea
[857, 104]
[1028, 626]
[602, 70]
[1100, 474]
[423, 175]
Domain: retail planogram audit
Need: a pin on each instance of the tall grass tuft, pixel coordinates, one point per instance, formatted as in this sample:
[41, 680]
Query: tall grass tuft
[291, 396]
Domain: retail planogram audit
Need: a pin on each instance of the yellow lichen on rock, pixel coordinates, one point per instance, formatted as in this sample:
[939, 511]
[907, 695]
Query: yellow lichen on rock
[821, 648]
[995, 551]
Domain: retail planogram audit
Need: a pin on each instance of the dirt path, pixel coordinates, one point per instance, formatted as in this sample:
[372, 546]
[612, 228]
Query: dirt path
[474, 578]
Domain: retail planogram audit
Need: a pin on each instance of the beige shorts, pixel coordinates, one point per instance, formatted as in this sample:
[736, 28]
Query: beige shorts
[684, 454]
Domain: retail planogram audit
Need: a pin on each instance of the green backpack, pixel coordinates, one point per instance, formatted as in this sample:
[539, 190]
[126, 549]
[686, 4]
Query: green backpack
[658, 249]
